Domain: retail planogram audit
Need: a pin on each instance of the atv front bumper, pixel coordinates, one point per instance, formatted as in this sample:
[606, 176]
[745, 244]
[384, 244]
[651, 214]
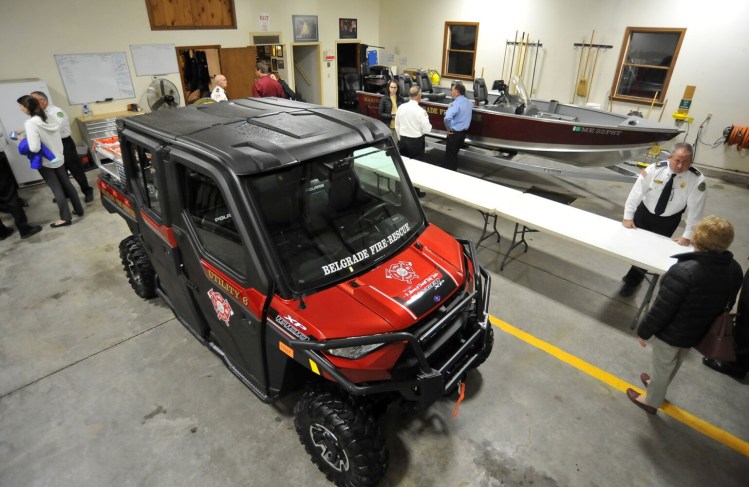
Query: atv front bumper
[435, 371]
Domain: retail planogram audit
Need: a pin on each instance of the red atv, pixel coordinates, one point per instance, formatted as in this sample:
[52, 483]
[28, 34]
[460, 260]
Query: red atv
[288, 239]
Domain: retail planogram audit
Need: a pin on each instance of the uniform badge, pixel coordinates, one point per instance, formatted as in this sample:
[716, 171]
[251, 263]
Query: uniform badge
[221, 306]
[702, 186]
[683, 185]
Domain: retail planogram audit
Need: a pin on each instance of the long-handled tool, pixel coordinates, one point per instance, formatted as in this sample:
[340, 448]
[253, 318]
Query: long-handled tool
[577, 76]
[582, 85]
[592, 73]
[512, 60]
[535, 62]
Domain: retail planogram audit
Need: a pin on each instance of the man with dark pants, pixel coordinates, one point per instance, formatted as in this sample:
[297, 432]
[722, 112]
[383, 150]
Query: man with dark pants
[457, 121]
[11, 203]
[69, 150]
[663, 192]
[411, 124]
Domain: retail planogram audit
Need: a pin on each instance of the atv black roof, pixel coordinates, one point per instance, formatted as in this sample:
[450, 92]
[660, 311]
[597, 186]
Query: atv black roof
[253, 135]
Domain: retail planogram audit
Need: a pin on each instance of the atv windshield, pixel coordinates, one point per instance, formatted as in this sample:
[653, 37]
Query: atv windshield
[336, 216]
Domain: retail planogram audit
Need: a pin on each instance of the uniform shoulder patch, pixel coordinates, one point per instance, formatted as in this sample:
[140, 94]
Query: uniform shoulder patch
[661, 163]
[702, 186]
[60, 114]
[695, 170]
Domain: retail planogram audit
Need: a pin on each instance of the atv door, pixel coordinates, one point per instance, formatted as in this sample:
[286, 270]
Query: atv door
[142, 158]
[224, 274]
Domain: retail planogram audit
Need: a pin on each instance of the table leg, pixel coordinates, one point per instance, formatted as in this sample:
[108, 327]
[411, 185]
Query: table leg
[653, 279]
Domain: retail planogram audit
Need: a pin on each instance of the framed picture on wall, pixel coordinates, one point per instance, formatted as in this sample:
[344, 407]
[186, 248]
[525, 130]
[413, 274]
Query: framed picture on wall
[280, 64]
[266, 49]
[274, 65]
[347, 28]
[279, 51]
[305, 28]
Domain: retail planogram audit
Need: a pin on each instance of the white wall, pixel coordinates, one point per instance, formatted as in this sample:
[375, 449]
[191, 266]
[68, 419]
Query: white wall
[33, 31]
[713, 56]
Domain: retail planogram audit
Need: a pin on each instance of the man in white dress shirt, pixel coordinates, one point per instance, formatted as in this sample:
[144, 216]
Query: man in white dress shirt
[663, 192]
[411, 124]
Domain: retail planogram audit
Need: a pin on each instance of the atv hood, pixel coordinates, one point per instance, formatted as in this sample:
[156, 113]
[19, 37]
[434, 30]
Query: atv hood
[395, 294]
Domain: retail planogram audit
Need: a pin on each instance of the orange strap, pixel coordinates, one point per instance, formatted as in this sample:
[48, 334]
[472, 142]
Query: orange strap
[461, 395]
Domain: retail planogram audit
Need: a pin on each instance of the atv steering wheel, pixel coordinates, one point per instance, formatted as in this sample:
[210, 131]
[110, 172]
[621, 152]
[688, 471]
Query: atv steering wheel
[367, 216]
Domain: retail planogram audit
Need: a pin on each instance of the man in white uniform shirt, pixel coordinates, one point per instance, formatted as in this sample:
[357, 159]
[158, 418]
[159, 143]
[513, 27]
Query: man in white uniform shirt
[411, 124]
[70, 151]
[663, 192]
[219, 88]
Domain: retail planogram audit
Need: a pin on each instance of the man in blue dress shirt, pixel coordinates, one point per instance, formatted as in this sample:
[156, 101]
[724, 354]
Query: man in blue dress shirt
[457, 121]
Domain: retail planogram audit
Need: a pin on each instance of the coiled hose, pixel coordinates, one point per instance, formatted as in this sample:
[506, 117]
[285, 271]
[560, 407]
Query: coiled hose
[739, 135]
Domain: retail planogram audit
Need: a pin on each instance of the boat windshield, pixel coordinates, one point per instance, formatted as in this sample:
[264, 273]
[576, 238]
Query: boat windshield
[521, 90]
[336, 216]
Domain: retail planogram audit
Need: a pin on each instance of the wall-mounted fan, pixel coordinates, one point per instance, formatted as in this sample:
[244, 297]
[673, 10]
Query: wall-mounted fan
[162, 94]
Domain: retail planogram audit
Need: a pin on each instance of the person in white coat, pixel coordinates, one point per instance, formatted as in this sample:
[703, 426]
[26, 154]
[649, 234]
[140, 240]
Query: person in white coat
[40, 129]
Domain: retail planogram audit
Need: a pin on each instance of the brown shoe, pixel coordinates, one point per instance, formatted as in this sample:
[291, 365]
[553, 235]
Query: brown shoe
[633, 395]
[645, 379]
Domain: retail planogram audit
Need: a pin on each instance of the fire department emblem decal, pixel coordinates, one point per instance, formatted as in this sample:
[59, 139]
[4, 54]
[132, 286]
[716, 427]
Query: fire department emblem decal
[221, 305]
[401, 271]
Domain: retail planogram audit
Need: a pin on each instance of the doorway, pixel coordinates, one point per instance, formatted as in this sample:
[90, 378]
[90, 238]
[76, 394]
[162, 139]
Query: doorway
[199, 64]
[349, 73]
[307, 72]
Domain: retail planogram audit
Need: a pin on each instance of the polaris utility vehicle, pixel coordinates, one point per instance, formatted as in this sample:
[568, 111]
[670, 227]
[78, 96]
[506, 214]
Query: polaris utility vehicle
[288, 239]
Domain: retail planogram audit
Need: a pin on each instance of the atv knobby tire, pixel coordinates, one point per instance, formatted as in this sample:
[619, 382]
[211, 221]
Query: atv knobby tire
[137, 265]
[343, 440]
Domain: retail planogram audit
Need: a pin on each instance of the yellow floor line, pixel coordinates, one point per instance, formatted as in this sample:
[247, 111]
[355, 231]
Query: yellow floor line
[675, 412]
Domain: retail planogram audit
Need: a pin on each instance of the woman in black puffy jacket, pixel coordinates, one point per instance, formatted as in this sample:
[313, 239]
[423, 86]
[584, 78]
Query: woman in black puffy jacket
[693, 292]
[389, 105]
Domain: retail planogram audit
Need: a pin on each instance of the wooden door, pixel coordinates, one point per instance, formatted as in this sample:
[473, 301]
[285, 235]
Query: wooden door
[238, 65]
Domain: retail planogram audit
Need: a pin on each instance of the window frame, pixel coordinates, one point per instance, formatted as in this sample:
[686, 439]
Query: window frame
[446, 51]
[623, 64]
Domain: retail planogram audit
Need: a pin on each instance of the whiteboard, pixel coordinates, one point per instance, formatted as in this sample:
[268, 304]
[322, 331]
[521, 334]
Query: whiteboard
[95, 77]
[150, 59]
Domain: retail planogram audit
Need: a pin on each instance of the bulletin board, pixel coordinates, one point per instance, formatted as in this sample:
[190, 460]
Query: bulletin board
[95, 77]
[154, 59]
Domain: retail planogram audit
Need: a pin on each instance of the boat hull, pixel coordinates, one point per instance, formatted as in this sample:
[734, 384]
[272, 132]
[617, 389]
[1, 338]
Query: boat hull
[574, 135]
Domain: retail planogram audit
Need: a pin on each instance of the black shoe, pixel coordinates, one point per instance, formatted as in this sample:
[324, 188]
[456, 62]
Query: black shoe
[89, 196]
[6, 232]
[31, 231]
[728, 368]
[627, 290]
[78, 214]
[64, 223]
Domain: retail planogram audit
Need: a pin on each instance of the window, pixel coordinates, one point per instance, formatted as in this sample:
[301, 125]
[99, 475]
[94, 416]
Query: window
[335, 216]
[146, 177]
[459, 58]
[213, 220]
[646, 62]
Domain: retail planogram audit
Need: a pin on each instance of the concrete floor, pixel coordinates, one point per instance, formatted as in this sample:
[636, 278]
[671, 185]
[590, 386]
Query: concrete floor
[99, 387]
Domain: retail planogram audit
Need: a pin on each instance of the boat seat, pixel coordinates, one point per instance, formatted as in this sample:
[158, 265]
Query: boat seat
[406, 83]
[427, 90]
[480, 93]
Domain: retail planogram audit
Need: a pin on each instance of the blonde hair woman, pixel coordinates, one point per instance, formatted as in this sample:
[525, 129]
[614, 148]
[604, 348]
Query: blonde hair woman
[693, 292]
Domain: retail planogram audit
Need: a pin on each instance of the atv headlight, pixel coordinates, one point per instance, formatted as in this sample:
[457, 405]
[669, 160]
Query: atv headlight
[356, 352]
